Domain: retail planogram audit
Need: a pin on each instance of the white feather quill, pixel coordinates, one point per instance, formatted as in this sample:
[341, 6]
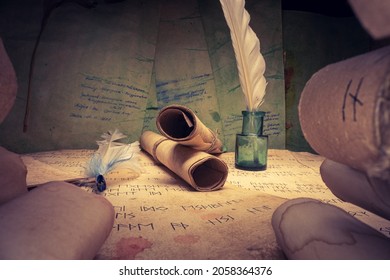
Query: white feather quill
[111, 153]
[246, 45]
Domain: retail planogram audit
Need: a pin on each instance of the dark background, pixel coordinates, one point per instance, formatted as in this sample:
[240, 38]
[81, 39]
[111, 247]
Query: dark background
[336, 8]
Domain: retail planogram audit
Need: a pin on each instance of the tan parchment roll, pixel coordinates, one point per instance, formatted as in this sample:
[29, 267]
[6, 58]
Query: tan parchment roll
[373, 15]
[204, 172]
[13, 174]
[353, 186]
[180, 124]
[308, 229]
[344, 112]
[54, 221]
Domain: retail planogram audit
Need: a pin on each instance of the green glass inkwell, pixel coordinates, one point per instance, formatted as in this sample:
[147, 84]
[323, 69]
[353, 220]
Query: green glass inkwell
[251, 149]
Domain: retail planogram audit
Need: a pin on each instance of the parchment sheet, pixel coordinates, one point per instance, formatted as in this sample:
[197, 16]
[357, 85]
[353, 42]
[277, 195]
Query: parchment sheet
[158, 216]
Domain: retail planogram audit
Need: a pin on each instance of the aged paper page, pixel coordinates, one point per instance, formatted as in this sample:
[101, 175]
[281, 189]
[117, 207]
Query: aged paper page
[92, 72]
[158, 216]
[116, 65]
[296, 174]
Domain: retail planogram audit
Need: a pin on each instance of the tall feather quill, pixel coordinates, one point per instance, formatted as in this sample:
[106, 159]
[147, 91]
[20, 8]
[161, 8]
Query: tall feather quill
[246, 45]
[110, 154]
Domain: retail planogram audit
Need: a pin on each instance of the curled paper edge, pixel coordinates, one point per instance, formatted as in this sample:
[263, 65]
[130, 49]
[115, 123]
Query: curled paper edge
[180, 124]
[202, 171]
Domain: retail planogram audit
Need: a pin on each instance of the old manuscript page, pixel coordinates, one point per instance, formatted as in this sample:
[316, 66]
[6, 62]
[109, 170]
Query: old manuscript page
[158, 216]
[118, 64]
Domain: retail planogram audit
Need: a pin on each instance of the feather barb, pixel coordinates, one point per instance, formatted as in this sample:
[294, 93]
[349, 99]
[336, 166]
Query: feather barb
[246, 45]
[111, 153]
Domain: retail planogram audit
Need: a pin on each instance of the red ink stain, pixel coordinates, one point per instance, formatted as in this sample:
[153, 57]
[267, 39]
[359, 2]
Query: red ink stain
[187, 239]
[289, 125]
[128, 248]
[210, 216]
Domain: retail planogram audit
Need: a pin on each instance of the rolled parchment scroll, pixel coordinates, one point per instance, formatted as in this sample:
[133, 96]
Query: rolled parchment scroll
[344, 112]
[13, 174]
[202, 171]
[180, 124]
[56, 220]
[307, 229]
[354, 186]
[374, 16]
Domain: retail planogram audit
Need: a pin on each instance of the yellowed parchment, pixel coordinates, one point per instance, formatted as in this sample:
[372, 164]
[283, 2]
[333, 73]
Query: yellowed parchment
[158, 216]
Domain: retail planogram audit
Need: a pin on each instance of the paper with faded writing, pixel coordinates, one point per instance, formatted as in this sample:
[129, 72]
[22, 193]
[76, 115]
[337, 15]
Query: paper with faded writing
[118, 64]
[158, 216]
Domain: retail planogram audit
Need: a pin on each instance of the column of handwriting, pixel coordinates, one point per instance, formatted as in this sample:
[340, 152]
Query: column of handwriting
[107, 99]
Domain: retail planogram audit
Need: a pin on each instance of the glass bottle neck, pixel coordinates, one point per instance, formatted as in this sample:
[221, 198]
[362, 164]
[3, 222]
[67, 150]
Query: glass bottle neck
[252, 122]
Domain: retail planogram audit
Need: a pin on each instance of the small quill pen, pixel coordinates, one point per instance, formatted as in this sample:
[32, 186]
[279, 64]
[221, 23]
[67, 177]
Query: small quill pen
[246, 45]
[109, 154]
